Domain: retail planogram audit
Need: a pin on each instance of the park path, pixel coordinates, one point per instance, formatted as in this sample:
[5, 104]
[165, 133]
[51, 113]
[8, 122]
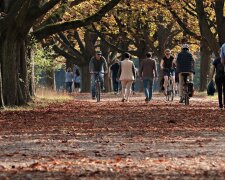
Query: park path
[83, 139]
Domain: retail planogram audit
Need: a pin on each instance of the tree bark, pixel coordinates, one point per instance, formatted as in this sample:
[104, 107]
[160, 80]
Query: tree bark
[85, 79]
[2, 105]
[205, 54]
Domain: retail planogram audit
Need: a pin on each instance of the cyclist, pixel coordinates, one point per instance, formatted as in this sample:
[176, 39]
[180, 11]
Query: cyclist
[97, 65]
[127, 76]
[185, 64]
[167, 65]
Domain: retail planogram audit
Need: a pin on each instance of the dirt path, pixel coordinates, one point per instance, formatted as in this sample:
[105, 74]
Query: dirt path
[114, 140]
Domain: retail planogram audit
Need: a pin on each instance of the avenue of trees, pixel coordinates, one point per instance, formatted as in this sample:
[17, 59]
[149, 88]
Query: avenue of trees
[75, 28]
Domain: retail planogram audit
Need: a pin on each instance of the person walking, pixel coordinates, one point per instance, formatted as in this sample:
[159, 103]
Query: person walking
[126, 75]
[222, 54]
[218, 67]
[114, 71]
[69, 80]
[97, 67]
[148, 71]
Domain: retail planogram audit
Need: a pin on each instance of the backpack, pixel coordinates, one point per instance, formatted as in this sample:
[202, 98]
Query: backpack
[211, 88]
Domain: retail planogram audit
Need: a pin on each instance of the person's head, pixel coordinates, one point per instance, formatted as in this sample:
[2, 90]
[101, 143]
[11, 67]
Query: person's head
[148, 54]
[167, 52]
[127, 55]
[185, 47]
[98, 54]
[68, 69]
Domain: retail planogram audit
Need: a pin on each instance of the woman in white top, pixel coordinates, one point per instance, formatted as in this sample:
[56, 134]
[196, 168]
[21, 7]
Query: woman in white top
[126, 75]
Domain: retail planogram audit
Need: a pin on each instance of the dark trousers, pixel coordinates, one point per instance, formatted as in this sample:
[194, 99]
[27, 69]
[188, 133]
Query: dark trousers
[69, 86]
[220, 85]
[115, 84]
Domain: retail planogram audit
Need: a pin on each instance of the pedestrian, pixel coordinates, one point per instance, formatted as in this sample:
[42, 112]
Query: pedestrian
[69, 80]
[77, 79]
[148, 72]
[60, 79]
[222, 54]
[218, 67]
[114, 71]
[126, 75]
[134, 83]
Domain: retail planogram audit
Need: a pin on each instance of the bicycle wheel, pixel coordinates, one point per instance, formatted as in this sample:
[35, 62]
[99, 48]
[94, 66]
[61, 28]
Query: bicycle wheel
[186, 96]
[170, 92]
[98, 91]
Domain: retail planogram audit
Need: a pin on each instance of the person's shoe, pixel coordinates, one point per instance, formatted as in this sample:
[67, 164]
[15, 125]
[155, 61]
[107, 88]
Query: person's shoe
[93, 98]
[146, 99]
[181, 100]
[165, 92]
[123, 100]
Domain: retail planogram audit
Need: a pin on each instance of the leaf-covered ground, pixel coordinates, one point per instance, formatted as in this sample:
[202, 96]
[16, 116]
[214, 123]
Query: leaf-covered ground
[83, 139]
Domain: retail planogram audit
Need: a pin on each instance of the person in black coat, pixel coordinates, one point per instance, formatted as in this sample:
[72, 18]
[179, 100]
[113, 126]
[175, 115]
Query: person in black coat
[185, 64]
[218, 67]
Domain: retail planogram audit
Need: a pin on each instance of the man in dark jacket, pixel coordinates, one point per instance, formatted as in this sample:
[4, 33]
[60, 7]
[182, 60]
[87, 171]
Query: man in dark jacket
[185, 64]
[114, 71]
[97, 65]
[148, 71]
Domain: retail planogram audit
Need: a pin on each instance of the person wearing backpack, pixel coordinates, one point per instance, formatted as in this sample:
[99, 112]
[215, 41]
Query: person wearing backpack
[218, 67]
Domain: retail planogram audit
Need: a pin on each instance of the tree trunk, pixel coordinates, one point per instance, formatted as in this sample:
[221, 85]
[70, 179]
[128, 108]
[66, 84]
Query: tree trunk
[204, 65]
[85, 79]
[2, 105]
[14, 69]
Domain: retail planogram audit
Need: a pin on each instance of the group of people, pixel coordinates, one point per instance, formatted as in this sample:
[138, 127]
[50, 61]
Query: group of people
[175, 67]
[69, 80]
[127, 73]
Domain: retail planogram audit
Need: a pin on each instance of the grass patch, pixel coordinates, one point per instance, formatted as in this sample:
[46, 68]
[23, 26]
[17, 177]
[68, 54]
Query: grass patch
[43, 98]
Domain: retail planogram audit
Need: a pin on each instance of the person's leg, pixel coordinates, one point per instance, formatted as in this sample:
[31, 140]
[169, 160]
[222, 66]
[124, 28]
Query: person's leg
[219, 87]
[115, 85]
[101, 78]
[133, 87]
[191, 77]
[128, 89]
[165, 83]
[93, 88]
[150, 88]
[174, 82]
[145, 83]
[70, 86]
[181, 84]
[223, 84]
[123, 83]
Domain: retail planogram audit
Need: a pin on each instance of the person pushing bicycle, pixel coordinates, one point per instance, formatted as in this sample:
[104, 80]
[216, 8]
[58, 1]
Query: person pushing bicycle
[97, 67]
[167, 65]
[185, 64]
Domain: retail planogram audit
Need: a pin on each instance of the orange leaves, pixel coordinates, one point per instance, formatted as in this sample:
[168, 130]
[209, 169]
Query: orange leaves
[114, 140]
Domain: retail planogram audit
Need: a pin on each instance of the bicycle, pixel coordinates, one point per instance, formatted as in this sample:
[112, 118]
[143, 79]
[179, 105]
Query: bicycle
[170, 89]
[187, 88]
[97, 85]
